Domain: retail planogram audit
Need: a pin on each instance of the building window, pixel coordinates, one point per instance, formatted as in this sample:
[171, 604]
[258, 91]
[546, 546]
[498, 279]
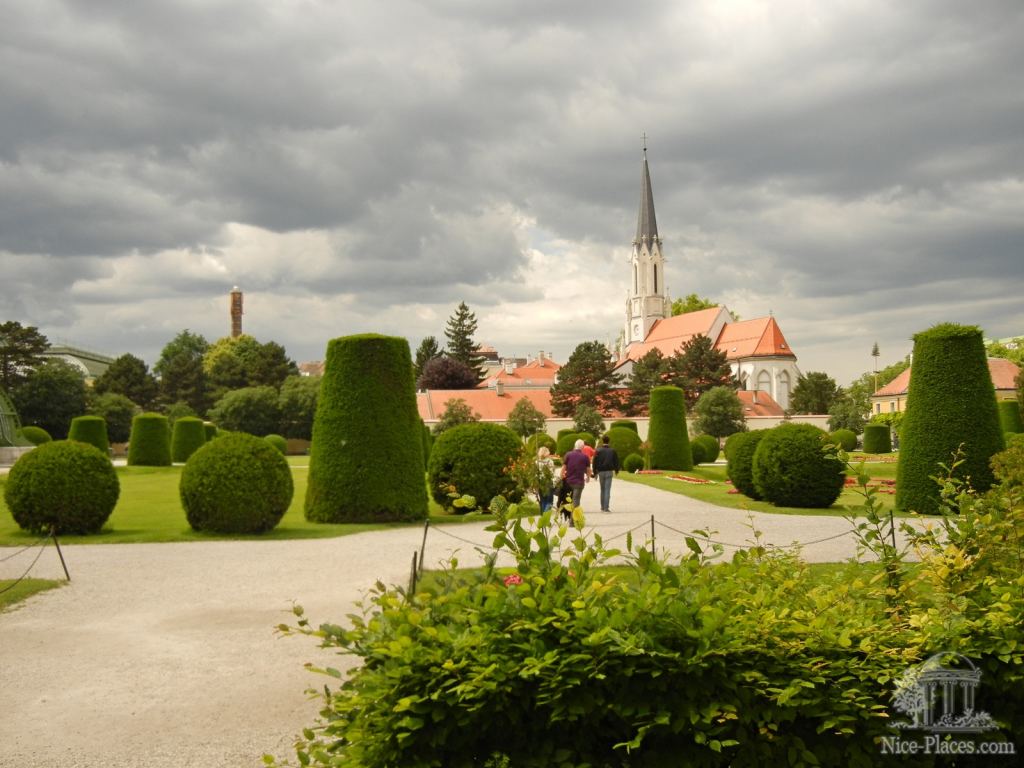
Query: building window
[634, 280]
[655, 278]
[878, 407]
[892, 406]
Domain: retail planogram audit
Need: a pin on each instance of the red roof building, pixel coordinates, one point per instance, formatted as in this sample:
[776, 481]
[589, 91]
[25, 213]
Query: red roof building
[892, 398]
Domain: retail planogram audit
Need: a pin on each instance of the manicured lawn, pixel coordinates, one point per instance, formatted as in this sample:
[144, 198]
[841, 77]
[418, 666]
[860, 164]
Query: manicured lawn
[149, 510]
[25, 588]
[717, 492]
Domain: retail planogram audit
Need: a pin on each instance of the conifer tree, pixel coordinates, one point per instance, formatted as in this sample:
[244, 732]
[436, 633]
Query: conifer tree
[586, 379]
[697, 367]
[461, 345]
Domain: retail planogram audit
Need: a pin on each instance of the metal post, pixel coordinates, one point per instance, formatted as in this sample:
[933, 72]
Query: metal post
[423, 546]
[653, 553]
[53, 535]
[892, 530]
[412, 577]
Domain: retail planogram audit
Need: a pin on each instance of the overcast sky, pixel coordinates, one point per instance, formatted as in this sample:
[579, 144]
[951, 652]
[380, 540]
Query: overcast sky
[855, 168]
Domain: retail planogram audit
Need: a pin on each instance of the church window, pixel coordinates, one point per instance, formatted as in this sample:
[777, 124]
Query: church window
[634, 279]
[655, 278]
[764, 381]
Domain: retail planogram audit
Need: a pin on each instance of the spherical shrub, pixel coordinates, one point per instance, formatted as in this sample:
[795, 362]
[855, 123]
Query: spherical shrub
[65, 485]
[566, 442]
[1009, 416]
[740, 469]
[623, 441]
[236, 484]
[791, 470]
[542, 439]
[627, 423]
[150, 443]
[91, 430]
[563, 432]
[950, 403]
[473, 458]
[705, 449]
[187, 437]
[668, 436]
[633, 462]
[844, 438]
[35, 435]
[730, 443]
[279, 443]
[877, 438]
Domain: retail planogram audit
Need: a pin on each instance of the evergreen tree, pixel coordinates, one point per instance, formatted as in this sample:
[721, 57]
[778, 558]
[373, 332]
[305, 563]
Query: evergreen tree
[21, 349]
[814, 393]
[720, 413]
[461, 345]
[427, 351]
[524, 419]
[586, 379]
[648, 372]
[180, 370]
[129, 376]
[697, 367]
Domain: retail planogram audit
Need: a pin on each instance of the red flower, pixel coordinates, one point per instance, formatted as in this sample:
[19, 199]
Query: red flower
[512, 579]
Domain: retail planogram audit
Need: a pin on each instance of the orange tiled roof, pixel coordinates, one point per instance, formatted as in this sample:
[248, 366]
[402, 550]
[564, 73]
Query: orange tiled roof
[759, 404]
[760, 337]
[1002, 371]
[487, 402]
[536, 373]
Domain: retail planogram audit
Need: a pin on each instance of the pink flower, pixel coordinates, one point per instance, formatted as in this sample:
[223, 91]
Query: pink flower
[512, 579]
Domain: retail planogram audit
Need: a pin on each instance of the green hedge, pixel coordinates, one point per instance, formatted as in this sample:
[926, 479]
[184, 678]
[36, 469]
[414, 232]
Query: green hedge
[66, 485]
[187, 437]
[951, 401]
[668, 435]
[211, 430]
[1009, 416]
[237, 484]
[471, 459]
[730, 443]
[624, 441]
[627, 423]
[534, 443]
[91, 430]
[740, 468]
[566, 442]
[150, 443]
[705, 449]
[877, 438]
[633, 462]
[563, 432]
[278, 442]
[844, 438]
[366, 461]
[35, 435]
[790, 469]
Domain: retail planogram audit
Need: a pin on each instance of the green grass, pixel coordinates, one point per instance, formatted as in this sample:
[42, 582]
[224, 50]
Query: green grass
[850, 501]
[149, 510]
[25, 588]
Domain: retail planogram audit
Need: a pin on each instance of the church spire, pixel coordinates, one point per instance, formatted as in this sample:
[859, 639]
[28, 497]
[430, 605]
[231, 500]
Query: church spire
[646, 223]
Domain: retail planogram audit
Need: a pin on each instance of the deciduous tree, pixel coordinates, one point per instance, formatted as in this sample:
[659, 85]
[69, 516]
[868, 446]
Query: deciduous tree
[180, 370]
[691, 303]
[251, 409]
[720, 412]
[51, 396]
[297, 404]
[524, 419]
[446, 373]
[21, 349]
[814, 392]
[456, 411]
[586, 379]
[129, 376]
[118, 411]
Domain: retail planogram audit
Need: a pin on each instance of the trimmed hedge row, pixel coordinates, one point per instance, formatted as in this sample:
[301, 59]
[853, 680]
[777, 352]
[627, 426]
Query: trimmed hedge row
[668, 435]
[534, 443]
[627, 423]
[633, 462]
[566, 442]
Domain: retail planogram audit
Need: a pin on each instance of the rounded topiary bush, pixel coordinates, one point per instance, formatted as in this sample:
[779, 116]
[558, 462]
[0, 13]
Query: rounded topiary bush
[278, 442]
[541, 439]
[705, 449]
[187, 437]
[563, 432]
[877, 438]
[1009, 416]
[740, 449]
[150, 443]
[790, 468]
[65, 485]
[472, 459]
[844, 438]
[35, 435]
[366, 462]
[730, 443]
[237, 484]
[566, 442]
[623, 441]
[668, 436]
[91, 430]
[633, 462]
[627, 423]
[951, 401]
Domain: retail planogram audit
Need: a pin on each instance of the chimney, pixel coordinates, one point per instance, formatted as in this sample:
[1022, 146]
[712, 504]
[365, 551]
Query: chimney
[236, 312]
[540, 359]
[510, 365]
[499, 387]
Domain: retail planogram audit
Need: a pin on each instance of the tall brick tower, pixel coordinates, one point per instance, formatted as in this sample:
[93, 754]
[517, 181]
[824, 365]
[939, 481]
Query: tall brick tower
[236, 312]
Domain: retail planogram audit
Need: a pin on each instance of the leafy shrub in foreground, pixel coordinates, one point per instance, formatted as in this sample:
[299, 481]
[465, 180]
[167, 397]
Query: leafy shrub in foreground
[473, 459]
[668, 435]
[741, 463]
[278, 442]
[705, 449]
[35, 435]
[66, 485]
[624, 441]
[91, 430]
[951, 402]
[187, 437]
[844, 438]
[150, 443]
[236, 484]
[790, 469]
[633, 462]
[877, 438]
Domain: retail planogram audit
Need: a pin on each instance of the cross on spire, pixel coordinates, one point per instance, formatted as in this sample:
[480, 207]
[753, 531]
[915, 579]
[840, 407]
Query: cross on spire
[644, 137]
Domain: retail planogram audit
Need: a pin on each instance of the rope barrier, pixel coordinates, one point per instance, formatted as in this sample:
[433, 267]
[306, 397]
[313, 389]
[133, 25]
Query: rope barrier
[27, 546]
[459, 538]
[744, 546]
[21, 578]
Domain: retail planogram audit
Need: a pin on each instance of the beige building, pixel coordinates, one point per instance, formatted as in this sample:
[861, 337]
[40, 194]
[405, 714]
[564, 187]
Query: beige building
[892, 398]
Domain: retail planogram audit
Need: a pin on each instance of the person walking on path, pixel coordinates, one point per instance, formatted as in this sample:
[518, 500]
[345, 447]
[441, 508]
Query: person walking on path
[575, 471]
[545, 479]
[606, 463]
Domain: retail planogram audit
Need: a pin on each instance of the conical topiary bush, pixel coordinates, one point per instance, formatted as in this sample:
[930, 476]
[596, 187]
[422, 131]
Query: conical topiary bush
[91, 430]
[877, 438]
[150, 442]
[667, 434]
[188, 436]
[1009, 416]
[366, 462]
[951, 402]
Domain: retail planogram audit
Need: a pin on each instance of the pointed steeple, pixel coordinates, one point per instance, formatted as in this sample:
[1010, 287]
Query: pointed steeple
[646, 223]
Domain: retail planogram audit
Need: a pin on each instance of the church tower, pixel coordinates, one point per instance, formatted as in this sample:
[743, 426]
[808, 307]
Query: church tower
[647, 301]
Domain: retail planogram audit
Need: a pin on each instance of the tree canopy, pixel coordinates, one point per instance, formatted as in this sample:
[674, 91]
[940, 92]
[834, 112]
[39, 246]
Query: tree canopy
[456, 411]
[524, 419]
[1013, 351]
[50, 397]
[648, 372]
[425, 352]
[691, 303]
[21, 349]
[446, 373]
[720, 412]
[129, 376]
[697, 367]
[814, 392]
[586, 379]
[180, 370]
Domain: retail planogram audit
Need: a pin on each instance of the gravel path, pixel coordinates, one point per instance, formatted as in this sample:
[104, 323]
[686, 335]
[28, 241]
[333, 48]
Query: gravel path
[165, 654]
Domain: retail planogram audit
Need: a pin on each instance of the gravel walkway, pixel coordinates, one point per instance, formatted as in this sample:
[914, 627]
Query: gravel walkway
[165, 654]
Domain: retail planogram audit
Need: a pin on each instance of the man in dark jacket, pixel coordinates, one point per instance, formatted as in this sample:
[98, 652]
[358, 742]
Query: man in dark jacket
[606, 462]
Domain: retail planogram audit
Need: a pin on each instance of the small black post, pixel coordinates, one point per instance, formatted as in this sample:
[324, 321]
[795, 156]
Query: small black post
[423, 546]
[412, 576]
[892, 530]
[653, 553]
[53, 535]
